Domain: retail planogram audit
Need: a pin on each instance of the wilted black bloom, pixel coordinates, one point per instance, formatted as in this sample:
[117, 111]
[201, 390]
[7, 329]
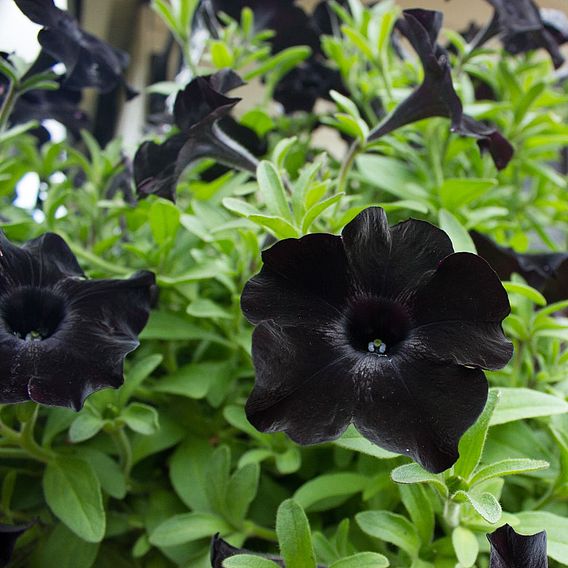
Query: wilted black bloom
[89, 61]
[197, 112]
[63, 337]
[311, 80]
[523, 27]
[436, 95]
[512, 550]
[547, 272]
[383, 327]
[9, 534]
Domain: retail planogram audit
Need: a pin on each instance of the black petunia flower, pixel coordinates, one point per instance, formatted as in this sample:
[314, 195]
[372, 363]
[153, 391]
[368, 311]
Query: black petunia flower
[547, 272]
[197, 112]
[523, 27]
[383, 327]
[63, 337]
[311, 80]
[9, 534]
[89, 61]
[436, 95]
[512, 550]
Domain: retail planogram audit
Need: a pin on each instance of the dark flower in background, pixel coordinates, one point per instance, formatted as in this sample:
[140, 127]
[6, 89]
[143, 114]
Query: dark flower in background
[436, 95]
[89, 61]
[383, 327]
[197, 112]
[547, 272]
[9, 534]
[221, 550]
[512, 550]
[63, 337]
[523, 27]
[311, 80]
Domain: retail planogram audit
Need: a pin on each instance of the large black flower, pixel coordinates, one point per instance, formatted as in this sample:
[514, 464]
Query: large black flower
[197, 111]
[383, 327]
[9, 534]
[63, 337]
[436, 95]
[512, 550]
[89, 61]
[547, 272]
[523, 27]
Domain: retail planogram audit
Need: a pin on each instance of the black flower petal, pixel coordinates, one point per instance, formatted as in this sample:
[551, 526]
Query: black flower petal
[302, 387]
[89, 61]
[300, 89]
[436, 95]
[63, 337]
[510, 550]
[384, 327]
[547, 272]
[419, 408]
[197, 112]
[9, 534]
[221, 550]
[523, 28]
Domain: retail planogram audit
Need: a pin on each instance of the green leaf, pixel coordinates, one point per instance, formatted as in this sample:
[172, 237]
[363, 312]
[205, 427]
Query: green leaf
[85, 426]
[523, 290]
[172, 327]
[141, 418]
[193, 380]
[362, 560]
[294, 536]
[485, 504]
[69, 550]
[466, 546]
[414, 473]
[188, 527]
[221, 55]
[272, 190]
[508, 467]
[456, 231]
[390, 527]
[520, 403]
[241, 491]
[472, 442]
[281, 228]
[457, 192]
[420, 509]
[217, 474]
[283, 61]
[311, 495]
[164, 219]
[248, 561]
[352, 440]
[314, 212]
[135, 376]
[556, 527]
[73, 493]
[203, 308]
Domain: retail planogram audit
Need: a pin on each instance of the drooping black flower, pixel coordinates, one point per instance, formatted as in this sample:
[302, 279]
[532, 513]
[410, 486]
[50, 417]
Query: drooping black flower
[197, 112]
[512, 550]
[311, 80]
[63, 337]
[221, 550]
[383, 327]
[523, 27]
[9, 534]
[547, 272]
[89, 61]
[436, 95]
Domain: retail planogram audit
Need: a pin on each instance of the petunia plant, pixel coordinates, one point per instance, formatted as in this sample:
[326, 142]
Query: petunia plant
[313, 317]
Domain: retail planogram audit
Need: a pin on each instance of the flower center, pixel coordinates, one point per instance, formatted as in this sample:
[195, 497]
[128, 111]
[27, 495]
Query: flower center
[376, 326]
[32, 314]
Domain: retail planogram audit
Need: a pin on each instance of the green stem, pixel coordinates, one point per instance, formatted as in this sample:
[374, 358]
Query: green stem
[251, 529]
[124, 449]
[25, 439]
[13, 453]
[346, 166]
[8, 105]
